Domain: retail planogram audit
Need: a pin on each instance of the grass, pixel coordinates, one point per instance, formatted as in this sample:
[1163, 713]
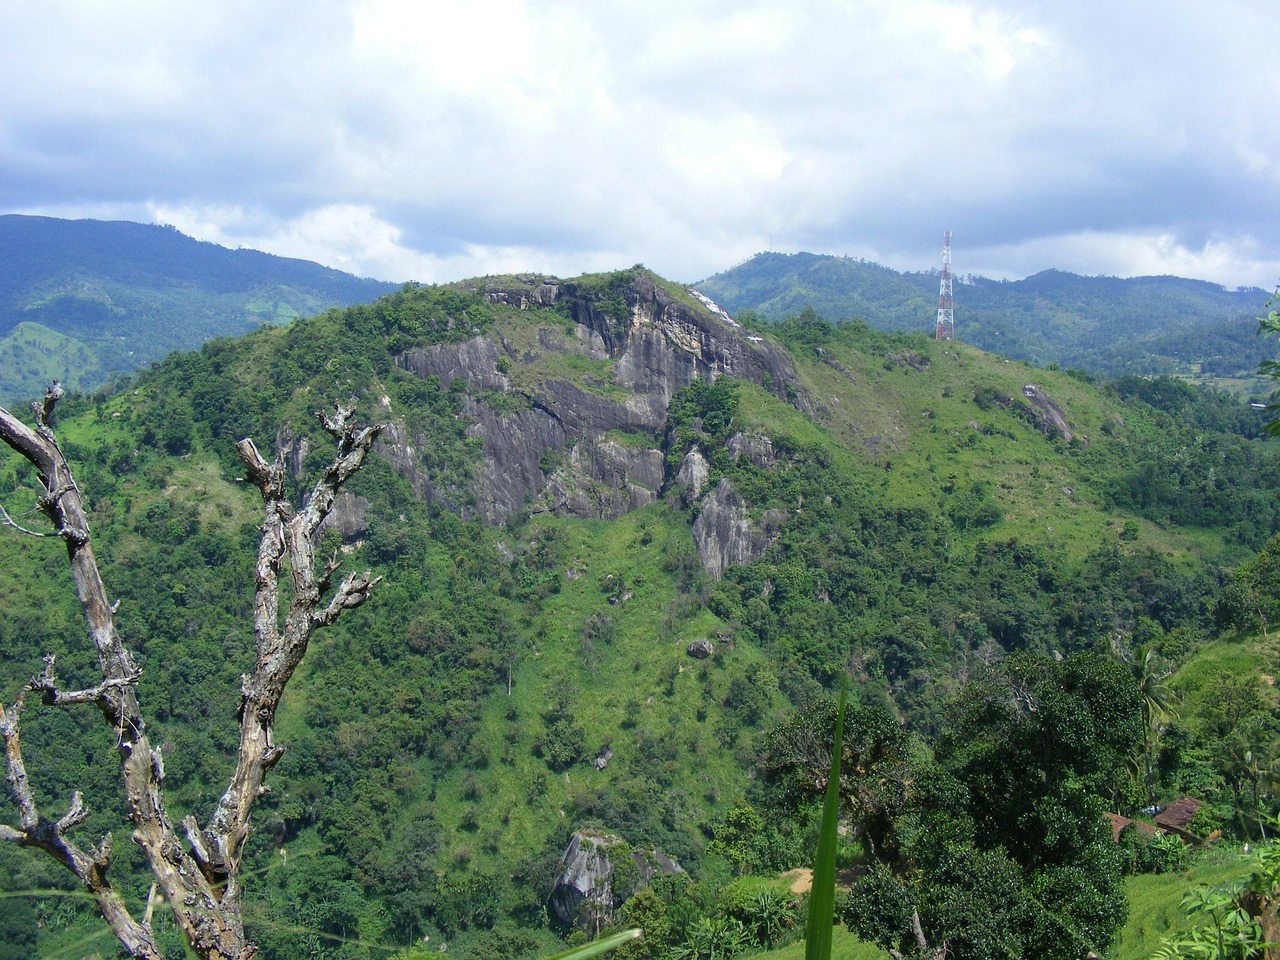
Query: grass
[1155, 900]
[32, 355]
[926, 434]
[547, 353]
[221, 504]
[639, 668]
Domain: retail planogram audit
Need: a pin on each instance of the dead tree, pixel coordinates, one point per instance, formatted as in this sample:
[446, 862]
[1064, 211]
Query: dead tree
[196, 872]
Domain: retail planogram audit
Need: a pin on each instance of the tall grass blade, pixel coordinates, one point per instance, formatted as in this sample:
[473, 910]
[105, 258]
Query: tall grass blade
[822, 898]
[598, 947]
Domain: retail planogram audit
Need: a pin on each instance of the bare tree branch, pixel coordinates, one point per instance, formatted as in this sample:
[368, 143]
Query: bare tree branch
[47, 685]
[8, 521]
[198, 879]
[288, 538]
[50, 836]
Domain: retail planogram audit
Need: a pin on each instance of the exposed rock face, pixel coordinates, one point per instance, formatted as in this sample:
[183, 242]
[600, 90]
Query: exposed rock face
[475, 361]
[700, 649]
[694, 472]
[400, 450]
[347, 517]
[584, 894]
[1050, 418]
[548, 449]
[539, 290]
[725, 534]
[514, 445]
[605, 479]
[757, 449]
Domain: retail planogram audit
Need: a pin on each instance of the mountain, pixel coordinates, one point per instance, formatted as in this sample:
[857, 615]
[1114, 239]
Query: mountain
[1106, 325]
[624, 540]
[83, 300]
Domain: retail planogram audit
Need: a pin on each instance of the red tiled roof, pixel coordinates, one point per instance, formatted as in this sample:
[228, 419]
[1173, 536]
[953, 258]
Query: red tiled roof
[1118, 823]
[1177, 815]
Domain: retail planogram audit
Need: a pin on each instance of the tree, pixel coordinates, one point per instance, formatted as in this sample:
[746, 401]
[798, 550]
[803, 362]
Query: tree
[198, 872]
[1269, 325]
[1037, 743]
[876, 771]
[1151, 673]
[997, 847]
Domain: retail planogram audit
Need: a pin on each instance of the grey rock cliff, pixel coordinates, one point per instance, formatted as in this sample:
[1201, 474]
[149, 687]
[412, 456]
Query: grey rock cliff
[583, 894]
[1049, 418]
[548, 449]
[725, 533]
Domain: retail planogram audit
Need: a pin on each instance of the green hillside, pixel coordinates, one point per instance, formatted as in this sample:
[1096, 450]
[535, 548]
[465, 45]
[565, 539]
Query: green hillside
[105, 299]
[33, 354]
[937, 512]
[1106, 325]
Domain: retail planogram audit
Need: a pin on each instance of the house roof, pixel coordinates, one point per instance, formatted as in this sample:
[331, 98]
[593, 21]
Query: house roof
[1177, 815]
[1118, 823]
[1174, 818]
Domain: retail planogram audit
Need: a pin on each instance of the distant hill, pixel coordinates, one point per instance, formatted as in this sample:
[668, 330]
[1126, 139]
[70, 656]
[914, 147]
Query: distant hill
[1144, 325]
[82, 300]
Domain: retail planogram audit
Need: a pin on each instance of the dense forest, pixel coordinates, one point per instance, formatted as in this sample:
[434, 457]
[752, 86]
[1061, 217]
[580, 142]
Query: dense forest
[1043, 587]
[83, 301]
[1107, 325]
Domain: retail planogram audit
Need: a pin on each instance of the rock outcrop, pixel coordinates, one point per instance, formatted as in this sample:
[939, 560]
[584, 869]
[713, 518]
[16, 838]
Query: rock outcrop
[758, 450]
[1049, 419]
[725, 533]
[347, 517]
[694, 473]
[546, 443]
[593, 882]
[605, 479]
[700, 649]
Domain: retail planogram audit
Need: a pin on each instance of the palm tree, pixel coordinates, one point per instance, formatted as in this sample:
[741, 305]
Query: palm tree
[1157, 700]
[1253, 770]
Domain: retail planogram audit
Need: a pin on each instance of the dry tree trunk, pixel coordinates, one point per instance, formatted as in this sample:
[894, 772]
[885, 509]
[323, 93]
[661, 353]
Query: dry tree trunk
[199, 878]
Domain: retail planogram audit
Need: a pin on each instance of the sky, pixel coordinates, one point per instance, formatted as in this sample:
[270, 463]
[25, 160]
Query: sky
[434, 140]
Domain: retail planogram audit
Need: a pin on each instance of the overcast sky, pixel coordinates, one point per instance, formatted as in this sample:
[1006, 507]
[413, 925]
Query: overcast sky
[442, 139]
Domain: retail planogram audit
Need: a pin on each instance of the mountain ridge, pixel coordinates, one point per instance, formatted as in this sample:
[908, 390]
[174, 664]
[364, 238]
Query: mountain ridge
[127, 294]
[1108, 325]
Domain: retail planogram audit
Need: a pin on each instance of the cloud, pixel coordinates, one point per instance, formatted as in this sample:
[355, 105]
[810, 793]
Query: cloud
[1219, 259]
[386, 136]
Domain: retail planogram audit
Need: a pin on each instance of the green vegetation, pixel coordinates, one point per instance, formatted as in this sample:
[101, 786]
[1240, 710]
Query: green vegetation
[1145, 325]
[986, 581]
[33, 355]
[1156, 908]
[83, 301]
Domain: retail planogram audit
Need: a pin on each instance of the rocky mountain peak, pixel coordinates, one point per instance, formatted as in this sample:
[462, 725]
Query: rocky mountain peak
[591, 445]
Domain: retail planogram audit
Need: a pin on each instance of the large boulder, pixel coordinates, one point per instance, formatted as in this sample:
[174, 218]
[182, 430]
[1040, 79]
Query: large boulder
[598, 872]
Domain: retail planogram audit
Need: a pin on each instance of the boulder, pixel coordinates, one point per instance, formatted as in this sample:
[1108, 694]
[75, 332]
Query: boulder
[587, 892]
[700, 649]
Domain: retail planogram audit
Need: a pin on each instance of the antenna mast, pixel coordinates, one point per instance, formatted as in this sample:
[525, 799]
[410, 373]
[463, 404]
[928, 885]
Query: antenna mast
[946, 329]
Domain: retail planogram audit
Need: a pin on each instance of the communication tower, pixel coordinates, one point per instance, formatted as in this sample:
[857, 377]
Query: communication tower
[946, 329]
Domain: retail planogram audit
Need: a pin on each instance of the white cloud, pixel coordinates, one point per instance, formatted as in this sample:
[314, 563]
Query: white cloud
[389, 136]
[1230, 261]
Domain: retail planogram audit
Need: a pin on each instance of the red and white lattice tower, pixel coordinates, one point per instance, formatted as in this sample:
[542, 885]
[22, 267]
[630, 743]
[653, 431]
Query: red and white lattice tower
[946, 329]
